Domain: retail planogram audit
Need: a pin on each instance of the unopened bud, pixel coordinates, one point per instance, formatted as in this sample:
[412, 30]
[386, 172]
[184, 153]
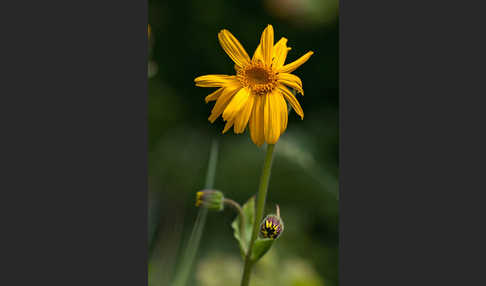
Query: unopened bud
[271, 227]
[210, 199]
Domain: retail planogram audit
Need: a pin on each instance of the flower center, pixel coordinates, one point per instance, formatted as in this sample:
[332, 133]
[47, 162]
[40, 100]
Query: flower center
[259, 78]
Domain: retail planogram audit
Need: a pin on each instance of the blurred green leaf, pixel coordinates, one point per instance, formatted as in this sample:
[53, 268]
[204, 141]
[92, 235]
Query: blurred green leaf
[261, 247]
[244, 240]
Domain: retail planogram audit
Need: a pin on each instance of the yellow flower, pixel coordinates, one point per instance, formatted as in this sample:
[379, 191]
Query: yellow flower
[258, 93]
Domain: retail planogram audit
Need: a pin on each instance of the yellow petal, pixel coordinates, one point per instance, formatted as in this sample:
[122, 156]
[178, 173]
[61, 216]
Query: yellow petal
[256, 122]
[280, 53]
[214, 80]
[258, 53]
[284, 117]
[289, 96]
[277, 50]
[295, 64]
[291, 80]
[237, 102]
[242, 119]
[223, 100]
[228, 126]
[233, 48]
[213, 96]
[266, 41]
[271, 118]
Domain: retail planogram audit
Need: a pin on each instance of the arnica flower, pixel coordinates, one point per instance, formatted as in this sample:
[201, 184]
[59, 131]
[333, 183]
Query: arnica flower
[211, 199]
[271, 227]
[258, 94]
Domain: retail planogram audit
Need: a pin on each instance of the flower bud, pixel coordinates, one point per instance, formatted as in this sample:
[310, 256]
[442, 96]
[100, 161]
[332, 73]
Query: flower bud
[211, 199]
[271, 227]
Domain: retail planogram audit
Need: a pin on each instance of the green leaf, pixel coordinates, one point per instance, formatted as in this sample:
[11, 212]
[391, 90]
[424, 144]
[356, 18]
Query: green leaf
[261, 246]
[243, 233]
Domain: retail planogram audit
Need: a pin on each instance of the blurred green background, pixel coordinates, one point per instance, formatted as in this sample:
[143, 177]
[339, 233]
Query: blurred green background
[183, 45]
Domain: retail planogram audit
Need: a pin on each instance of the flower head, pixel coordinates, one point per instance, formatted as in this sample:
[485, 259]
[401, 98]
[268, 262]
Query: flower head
[258, 94]
[211, 199]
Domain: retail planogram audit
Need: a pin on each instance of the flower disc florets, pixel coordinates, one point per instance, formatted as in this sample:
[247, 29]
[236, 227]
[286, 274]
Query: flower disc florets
[258, 77]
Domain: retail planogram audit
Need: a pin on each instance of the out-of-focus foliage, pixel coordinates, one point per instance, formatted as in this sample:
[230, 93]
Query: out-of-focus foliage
[271, 270]
[183, 45]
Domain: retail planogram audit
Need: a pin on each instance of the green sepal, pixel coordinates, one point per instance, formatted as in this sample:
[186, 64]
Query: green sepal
[249, 212]
[261, 246]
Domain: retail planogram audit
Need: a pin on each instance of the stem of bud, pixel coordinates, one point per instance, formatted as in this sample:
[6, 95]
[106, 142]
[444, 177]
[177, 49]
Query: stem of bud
[238, 208]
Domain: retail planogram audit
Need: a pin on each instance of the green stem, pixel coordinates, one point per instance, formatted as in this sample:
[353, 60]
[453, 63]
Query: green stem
[260, 207]
[241, 215]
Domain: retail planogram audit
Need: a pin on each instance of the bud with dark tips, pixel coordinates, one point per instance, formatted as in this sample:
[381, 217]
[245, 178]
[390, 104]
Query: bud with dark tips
[271, 227]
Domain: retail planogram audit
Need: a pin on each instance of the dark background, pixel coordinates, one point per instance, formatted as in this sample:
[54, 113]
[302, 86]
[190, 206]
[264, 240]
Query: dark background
[183, 45]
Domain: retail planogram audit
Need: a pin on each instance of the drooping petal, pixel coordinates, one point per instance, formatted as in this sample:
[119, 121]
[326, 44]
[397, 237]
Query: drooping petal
[284, 117]
[295, 64]
[223, 101]
[292, 81]
[228, 126]
[214, 80]
[256, 122]
[280, 53]
[242, 118]
[214, 96]
[289, 96]
[266, 41]
[271, 118]
[233, 48]
[236, 104]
